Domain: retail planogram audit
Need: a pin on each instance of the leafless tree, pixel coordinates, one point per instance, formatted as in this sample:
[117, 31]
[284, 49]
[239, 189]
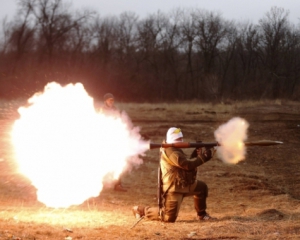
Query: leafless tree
[273, 27]
[22, 34]
[149, 40]
[229, 81]
[126, 31]
[291, 63]
[184, 54]
[211, 32]
[5, 35]
[104, 38]
[53, 21]
[247, 60]
[171, 61]
[189, 36]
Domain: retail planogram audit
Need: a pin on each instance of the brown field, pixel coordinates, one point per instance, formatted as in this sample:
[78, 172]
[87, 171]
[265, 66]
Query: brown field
[258, 198]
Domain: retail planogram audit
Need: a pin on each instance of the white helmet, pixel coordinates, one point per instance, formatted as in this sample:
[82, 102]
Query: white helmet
[173, 135]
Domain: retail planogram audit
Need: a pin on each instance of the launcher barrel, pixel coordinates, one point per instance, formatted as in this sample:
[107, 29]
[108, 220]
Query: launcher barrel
[210, 144]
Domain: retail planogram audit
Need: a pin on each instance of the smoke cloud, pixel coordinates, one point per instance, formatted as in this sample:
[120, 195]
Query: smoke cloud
[67, 148]
[231, 137]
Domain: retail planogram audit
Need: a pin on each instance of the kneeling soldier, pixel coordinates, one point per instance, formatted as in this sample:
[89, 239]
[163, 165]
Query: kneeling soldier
[178, 176]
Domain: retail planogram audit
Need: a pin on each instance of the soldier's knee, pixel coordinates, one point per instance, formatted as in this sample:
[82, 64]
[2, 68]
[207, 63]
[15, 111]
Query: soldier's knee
[202, 188]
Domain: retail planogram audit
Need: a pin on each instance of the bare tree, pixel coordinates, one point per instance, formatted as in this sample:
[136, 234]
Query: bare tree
[148, 44]
[227, 66]
[53, 22]
[171, 61]
[291, 63]
[125, 45]
[247, 59]
[189, 37]
[22, 34]
[211, 31]
[273, 27]
[179, 55]
[104, 39]
[126, 31]
[5, 35]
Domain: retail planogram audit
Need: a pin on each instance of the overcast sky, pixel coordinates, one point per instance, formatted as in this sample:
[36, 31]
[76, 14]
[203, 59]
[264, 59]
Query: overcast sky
[239, 10]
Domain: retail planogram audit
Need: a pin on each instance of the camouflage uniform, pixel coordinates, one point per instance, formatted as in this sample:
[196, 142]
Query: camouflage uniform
[179, 181]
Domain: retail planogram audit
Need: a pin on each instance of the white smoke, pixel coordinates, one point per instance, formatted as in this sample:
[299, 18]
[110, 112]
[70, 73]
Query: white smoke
[231, 137]
[66, 147]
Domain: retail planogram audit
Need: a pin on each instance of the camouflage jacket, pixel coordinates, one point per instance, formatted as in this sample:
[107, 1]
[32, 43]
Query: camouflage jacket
[178, 172]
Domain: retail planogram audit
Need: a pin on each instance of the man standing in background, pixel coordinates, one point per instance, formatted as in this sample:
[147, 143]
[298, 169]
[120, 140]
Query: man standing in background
[110, 109]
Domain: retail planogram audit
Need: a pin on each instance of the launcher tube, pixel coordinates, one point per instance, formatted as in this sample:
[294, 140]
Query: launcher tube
[209, 144]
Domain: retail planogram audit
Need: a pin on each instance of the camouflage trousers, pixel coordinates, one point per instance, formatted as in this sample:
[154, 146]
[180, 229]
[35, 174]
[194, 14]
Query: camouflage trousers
[173, 200]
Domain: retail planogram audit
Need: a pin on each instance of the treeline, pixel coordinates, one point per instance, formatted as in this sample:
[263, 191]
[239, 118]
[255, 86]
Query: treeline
[181, 55]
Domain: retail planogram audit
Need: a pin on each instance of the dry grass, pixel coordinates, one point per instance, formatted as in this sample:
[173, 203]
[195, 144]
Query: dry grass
[255, 199]
[198, 111]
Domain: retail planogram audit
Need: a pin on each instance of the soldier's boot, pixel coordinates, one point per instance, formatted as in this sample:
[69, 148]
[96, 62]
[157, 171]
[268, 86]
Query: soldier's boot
[200, 206]
[138, 211]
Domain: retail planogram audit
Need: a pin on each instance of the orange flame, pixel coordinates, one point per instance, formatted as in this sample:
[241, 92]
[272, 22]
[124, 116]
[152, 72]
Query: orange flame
[66, 147]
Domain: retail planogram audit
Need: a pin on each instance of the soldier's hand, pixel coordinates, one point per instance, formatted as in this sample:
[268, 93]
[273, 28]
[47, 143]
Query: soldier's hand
[205, 154]
[194, 153]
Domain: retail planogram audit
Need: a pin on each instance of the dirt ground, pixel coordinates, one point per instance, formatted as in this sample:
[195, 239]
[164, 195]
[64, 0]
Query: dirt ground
[258, 198]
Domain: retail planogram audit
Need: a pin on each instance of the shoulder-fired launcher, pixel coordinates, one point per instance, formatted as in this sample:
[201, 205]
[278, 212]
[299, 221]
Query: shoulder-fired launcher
[210, 144]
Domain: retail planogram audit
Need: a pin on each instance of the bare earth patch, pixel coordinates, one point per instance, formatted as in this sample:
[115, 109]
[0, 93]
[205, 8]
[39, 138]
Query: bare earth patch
[259, 198]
